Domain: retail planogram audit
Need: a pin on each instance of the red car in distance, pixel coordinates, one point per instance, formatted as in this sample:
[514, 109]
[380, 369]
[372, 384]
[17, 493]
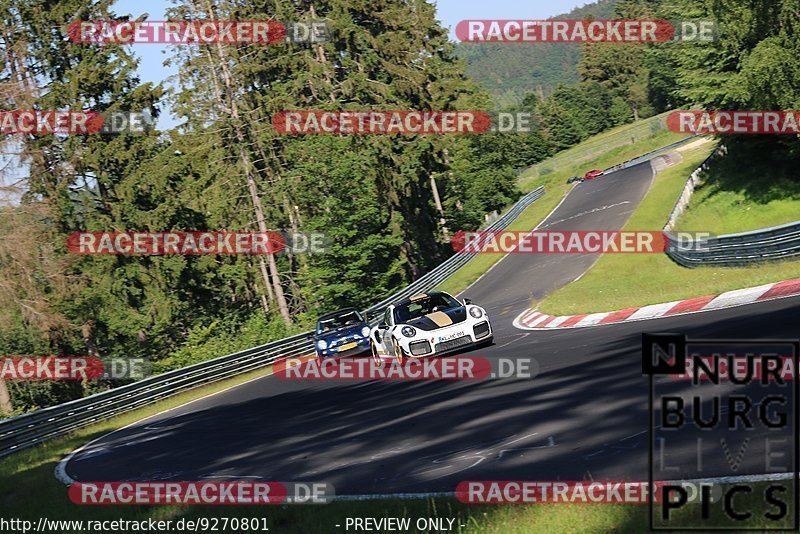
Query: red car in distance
[592, 174]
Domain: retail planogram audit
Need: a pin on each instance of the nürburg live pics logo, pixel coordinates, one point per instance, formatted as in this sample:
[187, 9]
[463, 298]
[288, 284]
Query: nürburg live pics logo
[723, 433]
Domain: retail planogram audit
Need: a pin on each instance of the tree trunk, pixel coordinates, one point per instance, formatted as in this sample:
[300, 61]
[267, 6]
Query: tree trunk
[5, 399]
[280, 298]
[273, 275]
[87, 330]
[439, 208]
[262, 265]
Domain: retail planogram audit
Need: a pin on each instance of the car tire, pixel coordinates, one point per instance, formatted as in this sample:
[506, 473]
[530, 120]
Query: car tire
[398, 352]
[375, 356]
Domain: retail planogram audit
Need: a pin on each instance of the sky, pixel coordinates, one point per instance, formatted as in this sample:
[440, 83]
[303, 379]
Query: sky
[449, 12]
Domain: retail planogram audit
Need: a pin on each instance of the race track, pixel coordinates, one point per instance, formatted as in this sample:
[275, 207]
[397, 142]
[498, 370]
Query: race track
[584, 415]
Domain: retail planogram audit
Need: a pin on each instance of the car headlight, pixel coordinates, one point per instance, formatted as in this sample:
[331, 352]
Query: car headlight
[322, 344]
[476, 312]
[408, 331]
[365, 332]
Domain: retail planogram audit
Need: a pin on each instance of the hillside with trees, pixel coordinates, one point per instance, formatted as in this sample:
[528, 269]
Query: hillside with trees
[509, 72]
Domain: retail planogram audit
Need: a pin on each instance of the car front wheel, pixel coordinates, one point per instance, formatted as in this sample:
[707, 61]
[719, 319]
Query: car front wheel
[375, 356]
[398, 352]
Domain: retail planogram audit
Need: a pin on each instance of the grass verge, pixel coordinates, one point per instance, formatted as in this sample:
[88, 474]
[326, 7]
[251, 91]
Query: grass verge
[577, 160]
[619, 281]
[744, 191]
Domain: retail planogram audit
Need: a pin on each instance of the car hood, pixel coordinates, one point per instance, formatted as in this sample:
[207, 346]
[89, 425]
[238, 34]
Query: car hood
[442, 319]
[347, 331]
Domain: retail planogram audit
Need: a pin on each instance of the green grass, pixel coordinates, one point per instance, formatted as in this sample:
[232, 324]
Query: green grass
[744, 192]
[601, 151]
[573, 166]
[619, 281]
[555, 189]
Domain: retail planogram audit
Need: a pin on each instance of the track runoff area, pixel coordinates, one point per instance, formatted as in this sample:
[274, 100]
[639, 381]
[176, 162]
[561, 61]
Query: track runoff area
[697, 426]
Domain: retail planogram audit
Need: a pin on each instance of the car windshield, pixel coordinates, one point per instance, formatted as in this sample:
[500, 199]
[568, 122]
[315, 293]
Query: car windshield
[348, 318]
[404, 313]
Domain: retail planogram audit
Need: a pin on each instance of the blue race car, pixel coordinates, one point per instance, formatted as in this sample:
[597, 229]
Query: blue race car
[341, 333]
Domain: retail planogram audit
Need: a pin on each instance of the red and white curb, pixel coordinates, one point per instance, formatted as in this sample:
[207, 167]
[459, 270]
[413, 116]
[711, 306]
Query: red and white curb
[533, 320]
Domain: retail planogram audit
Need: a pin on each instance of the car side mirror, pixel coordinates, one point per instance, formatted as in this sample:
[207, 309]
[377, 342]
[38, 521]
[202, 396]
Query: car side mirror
[467, 301]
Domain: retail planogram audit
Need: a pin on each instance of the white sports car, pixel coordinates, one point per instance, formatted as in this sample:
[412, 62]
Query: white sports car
[428, 324]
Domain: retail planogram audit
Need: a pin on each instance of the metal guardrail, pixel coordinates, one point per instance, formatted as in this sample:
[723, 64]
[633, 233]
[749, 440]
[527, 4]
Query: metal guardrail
[650, 155]
[596, 146]
[731, 250]
[30, 429]
[454, 262]
[24, 431]
[775, 243]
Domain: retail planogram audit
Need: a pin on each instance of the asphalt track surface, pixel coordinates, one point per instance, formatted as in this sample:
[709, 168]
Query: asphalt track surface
[585, 415]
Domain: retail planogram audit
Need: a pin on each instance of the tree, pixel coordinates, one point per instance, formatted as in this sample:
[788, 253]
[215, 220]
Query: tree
[65, 182]
[753, 63]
